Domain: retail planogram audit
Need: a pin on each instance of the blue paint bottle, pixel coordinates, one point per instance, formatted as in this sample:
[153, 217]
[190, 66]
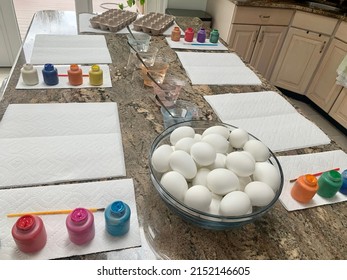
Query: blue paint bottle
[50, 74]
[343, 188]
[117, 218]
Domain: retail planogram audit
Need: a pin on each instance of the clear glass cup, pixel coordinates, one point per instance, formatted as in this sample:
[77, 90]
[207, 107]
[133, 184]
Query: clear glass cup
[157, 71]
[140, 42]
[147, 57]
[169, 91]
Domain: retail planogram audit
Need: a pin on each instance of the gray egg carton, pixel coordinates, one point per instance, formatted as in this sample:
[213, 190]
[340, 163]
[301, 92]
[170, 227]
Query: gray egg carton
[153, 23]
[113, 20]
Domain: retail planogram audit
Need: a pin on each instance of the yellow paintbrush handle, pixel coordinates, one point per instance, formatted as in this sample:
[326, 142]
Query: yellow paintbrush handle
[53, 212]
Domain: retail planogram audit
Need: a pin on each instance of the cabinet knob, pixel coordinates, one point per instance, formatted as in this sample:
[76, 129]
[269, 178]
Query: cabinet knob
[264, 17]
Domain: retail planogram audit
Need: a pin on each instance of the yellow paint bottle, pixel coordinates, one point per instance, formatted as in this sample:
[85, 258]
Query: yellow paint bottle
[95, 75]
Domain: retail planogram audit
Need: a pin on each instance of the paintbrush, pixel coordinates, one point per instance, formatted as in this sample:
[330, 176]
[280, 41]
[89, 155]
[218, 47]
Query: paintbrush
[316, 174]
[51, 212]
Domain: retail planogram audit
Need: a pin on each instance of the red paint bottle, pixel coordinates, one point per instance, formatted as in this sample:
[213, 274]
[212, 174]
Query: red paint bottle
[29, 233]
[189, 34]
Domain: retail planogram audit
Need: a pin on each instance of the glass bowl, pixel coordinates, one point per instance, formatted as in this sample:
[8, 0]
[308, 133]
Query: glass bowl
[196, 217]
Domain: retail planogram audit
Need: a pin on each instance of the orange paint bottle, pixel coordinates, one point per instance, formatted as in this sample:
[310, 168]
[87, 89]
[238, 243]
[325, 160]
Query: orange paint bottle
[304, 189]
[75, 75]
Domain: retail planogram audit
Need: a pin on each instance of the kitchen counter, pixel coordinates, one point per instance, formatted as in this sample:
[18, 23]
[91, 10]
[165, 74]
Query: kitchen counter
[315, 233]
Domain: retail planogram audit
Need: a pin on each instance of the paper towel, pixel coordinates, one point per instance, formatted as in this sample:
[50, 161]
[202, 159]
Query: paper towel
[70, 49]
[64, 81]
[185, 45]
[217, 69]
[295, 166]
[56, 197]
[279, 126]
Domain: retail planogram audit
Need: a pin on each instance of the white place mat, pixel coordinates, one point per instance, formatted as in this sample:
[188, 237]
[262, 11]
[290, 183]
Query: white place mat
[87, 195]
[70, 49]
[195, 45]
[64, 81]
[295, 166]
[269, 117]
[48, 143]
[217, 69]
[85, 26]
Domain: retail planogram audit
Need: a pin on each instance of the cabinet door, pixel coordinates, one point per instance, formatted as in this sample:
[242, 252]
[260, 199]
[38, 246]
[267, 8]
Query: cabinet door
[299, 57]
[243, 39]
[339, 110]
[267, 49]
[323, 90]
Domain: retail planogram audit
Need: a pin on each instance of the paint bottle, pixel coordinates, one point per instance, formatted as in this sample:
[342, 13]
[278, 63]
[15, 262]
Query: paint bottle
[29, 233]
[189, 34]
[329, 183]
[176, 34]
[50, 74]
[343, 188]
[214, 36]
[117, 217]
[95, 75]
[75, 75]
[80, 226]
[201, 37]
[304, 189]
[29, 75]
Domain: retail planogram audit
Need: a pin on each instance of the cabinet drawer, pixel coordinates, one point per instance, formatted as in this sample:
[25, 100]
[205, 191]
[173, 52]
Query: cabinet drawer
[313, 22]
[262, 16]
[341, 32]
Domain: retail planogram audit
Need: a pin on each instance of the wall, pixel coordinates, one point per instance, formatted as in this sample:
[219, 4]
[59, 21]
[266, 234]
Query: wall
[187, 4]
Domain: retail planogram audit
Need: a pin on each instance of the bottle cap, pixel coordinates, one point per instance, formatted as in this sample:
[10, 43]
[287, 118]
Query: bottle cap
[334, 176]
[74, 67]
[28, 66]
[49, 67]
[25, 222]
[79, 215]
[310, 180]
[117, 208]
[95, 68]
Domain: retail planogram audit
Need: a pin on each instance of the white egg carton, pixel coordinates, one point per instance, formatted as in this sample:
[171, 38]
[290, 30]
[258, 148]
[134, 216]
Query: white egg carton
[154, 23]
[113, 20]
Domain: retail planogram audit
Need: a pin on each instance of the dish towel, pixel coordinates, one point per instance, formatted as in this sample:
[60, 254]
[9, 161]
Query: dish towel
[217, 69]
[342, 73]
[279, 126]
[49, 143]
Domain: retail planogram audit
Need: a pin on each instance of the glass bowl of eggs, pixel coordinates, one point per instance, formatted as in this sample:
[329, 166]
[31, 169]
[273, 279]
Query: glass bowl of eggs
[214, 175]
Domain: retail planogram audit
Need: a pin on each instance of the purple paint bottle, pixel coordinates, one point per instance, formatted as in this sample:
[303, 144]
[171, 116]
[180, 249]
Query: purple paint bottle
[80, 226]
[201, 37]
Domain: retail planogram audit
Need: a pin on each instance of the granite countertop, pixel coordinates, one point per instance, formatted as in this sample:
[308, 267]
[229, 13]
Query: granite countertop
[315, 233]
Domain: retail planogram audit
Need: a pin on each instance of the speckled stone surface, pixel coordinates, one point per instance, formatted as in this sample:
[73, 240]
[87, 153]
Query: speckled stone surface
[315, 233]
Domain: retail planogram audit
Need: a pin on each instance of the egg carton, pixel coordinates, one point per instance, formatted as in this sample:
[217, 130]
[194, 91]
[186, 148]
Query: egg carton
[153, 23]
[113, 20]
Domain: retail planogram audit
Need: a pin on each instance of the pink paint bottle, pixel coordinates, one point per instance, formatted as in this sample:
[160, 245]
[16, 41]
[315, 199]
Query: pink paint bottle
[29, 233]
[80, 226]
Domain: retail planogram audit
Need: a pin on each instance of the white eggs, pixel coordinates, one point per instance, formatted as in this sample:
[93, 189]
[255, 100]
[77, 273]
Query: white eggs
[217, 141]
[181, 132]
[198, 197]
[219, 161]
[217, 129]
[238, 137]
[259, 193]
[257, 149]
[175, 184]
[221, 181]
[241, 163]
[160, 158]
[235, 204]
[215, 204]
[267, 173]
[203, 153]
[184, 144]
[183, 163]
[201, 177]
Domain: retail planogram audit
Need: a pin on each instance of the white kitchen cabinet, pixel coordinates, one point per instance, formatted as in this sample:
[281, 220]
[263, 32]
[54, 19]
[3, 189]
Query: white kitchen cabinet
[323, 90]
[339, 109]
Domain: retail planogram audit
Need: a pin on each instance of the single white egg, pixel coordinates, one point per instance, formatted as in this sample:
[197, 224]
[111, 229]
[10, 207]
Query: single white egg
[257, 149]
[217, 141]
[185, 144]
[183, 163]
[267, 173]
[238, 137]
[160, 158]
[201, 177]
[235, 204]
[198, 197]
[261, 194]
[203, 153]
[175, 184]
[241, 163]
[244, 181]
[197, 137]
[222, 181]
[217, 129]
[215, 204]
[181, 132]
[219, 162]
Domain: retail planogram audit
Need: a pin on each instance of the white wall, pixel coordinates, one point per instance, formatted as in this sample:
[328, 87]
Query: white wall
[187, 4]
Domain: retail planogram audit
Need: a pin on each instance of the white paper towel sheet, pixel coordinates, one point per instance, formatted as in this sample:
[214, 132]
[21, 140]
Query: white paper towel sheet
[269, 117]
[64, 81]
[87, 195]
[201, 46]
[47, 143]
[217, 69]
[70, 49]
[295, 166]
